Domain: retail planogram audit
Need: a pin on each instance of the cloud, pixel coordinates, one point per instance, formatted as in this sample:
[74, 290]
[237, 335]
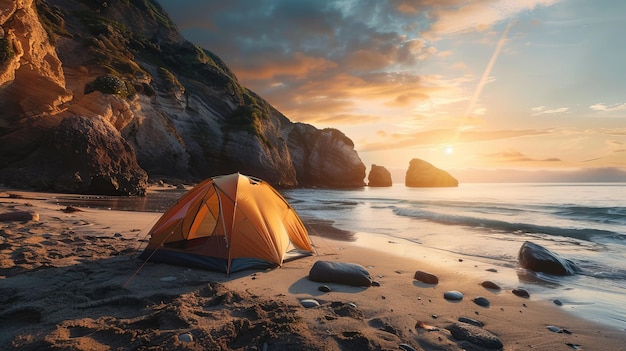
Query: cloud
[514, 156]
[444, 136]
[542, 110]
[457, 17]
[608, 108]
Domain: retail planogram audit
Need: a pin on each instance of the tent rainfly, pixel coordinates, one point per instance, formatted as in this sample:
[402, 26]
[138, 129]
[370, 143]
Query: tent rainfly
[228, 223]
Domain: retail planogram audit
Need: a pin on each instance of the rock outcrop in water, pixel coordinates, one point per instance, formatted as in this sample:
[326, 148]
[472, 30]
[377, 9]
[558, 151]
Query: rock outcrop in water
[171, 108]
[379, 176]
[537, 258]
[424, 174]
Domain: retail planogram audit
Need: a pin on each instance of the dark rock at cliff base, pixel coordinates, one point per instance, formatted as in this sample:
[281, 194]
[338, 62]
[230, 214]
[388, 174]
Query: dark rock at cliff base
[537, 258]
[82, 155]
[379, 176]
[424, 174]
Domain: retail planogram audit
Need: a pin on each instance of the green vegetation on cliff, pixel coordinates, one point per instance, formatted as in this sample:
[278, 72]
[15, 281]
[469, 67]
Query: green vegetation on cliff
[6, 51]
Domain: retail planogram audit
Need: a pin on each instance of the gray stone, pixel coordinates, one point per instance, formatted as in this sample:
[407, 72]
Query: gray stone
[481, 301]
[309, 303]
[185, 337]
[453, 295]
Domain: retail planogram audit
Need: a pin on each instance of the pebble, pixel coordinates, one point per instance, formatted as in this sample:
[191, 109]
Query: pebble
[186, 337]
[426, 277]
[481, 301]
[453, 295]
[406, 347]
[521, 292]
[471, 321]
[558, 302]
[488, 284]
[554, 329]
[324, 288]
[375, 283]
[493, 270]
[308, 303]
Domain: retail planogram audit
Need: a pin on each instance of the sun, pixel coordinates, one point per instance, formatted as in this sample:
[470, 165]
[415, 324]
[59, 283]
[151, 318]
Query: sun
[449, 150]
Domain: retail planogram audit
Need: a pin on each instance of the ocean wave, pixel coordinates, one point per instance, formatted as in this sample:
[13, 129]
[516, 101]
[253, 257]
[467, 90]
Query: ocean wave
[587, 234]
[603, 215]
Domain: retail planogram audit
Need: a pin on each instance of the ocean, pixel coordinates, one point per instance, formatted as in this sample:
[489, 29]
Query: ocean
[481, 225]
[488, 223]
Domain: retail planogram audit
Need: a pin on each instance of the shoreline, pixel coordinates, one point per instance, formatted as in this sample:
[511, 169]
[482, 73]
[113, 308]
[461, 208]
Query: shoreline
[83, 260]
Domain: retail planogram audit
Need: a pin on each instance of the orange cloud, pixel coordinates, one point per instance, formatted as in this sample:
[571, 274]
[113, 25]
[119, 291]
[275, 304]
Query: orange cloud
[445, 136]
[297, 65]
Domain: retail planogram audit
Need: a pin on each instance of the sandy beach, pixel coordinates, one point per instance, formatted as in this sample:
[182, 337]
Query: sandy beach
[71, 280]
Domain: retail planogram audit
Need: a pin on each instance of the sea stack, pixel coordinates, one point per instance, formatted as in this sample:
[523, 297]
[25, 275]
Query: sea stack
[379, 176]
[424, 174]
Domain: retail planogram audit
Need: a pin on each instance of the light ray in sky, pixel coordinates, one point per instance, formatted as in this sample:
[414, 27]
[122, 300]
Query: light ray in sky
[487, 72]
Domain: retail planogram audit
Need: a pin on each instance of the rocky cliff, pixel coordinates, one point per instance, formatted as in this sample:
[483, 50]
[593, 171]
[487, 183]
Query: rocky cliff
[150, 103]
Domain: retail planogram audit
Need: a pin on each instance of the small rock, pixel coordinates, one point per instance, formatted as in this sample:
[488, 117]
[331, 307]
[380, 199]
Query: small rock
[488, 284]
[471, 321]
[117, 235]
[521, 292]
[309, 303]
[475, 335]
[481, 301]
[406, 347]
[422, 325]
[374, 283]
[558, 302]
[453, 295]
[554, 329]
[324, 288]
[493, 270]
[186, 337]
[426, 277]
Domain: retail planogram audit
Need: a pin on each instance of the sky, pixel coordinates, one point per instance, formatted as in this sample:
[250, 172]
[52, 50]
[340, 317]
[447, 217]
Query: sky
[488, 90]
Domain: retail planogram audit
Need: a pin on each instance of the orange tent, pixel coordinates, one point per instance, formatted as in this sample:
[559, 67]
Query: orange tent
[228, 223]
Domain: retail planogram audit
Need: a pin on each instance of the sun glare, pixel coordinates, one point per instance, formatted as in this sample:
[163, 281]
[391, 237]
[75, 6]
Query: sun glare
[449, 150]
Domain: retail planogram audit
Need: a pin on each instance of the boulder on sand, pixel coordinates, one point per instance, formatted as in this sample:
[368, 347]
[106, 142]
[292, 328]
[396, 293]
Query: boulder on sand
[340, 272]
[537, 258]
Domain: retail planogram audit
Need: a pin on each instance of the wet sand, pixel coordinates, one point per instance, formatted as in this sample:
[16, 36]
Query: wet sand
[72, 281]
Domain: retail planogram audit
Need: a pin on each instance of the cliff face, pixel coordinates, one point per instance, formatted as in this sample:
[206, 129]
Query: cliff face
[170, 107]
